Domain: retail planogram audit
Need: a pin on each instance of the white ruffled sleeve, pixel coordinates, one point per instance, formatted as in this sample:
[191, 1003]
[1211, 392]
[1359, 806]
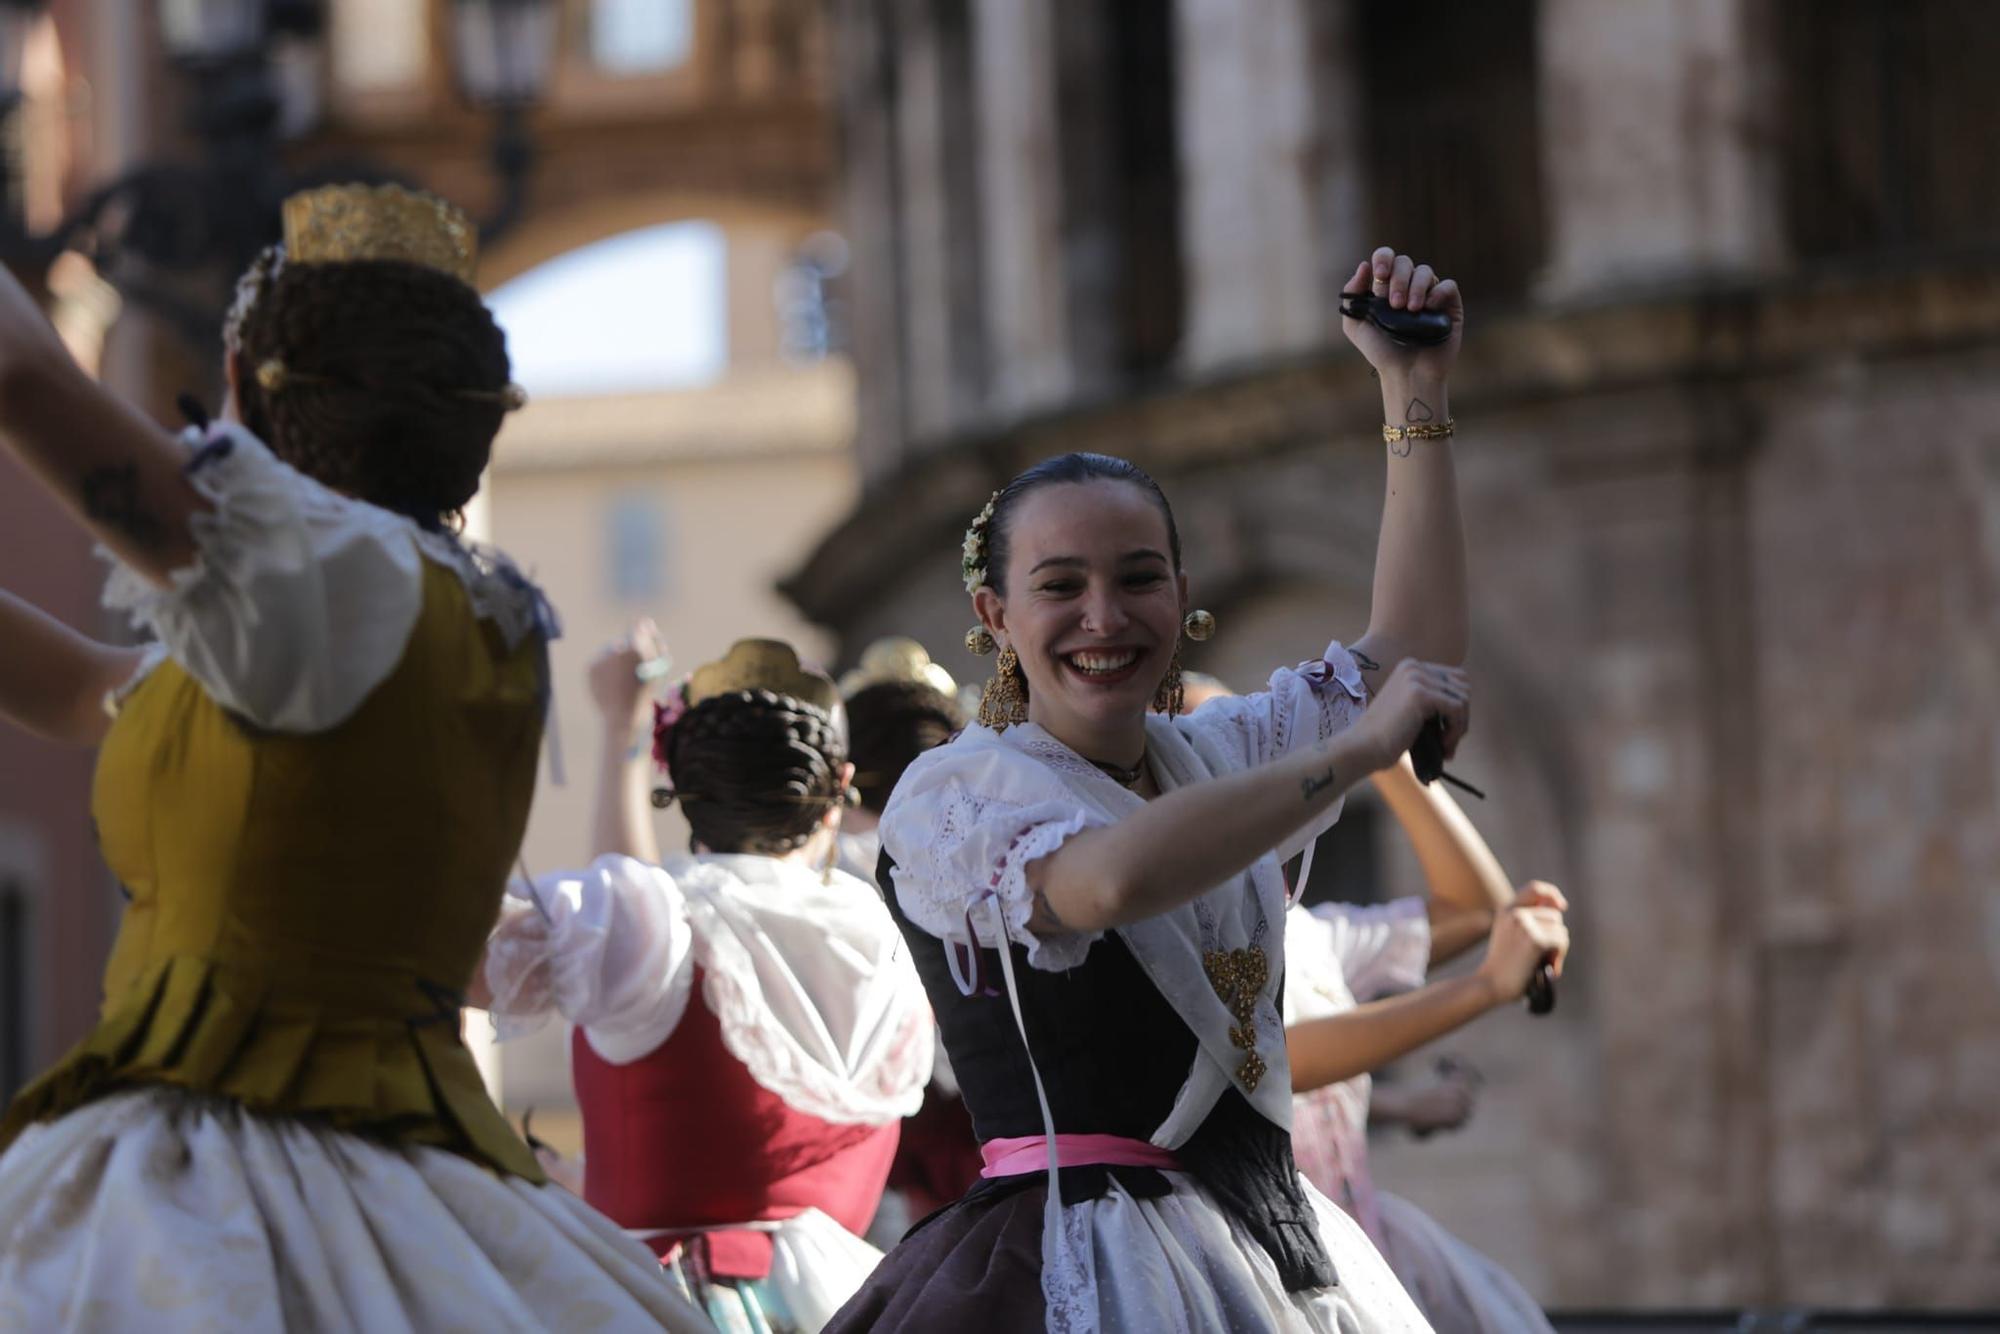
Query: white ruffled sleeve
[1381, 949]
[966, 821]
[299, 601]
[1302, 706]
[609, 948]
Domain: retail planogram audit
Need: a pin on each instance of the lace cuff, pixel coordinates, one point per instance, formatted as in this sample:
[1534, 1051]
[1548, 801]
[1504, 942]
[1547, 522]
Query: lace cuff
[516, 971]
[299, 601]
[951, 846]
[609, 948]
[1050, 953]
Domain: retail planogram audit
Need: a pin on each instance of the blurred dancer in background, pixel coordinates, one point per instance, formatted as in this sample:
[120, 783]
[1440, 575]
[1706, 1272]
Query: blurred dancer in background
[899, 705]
[749, 1029]
[1346, 960]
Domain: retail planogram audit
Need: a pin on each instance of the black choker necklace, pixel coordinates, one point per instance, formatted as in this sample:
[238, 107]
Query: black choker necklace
[1119, 774]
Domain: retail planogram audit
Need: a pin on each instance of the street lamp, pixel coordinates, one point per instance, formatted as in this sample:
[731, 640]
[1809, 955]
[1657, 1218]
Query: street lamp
[502, 53]
[194, 225]
[204, 32]
[503, 49]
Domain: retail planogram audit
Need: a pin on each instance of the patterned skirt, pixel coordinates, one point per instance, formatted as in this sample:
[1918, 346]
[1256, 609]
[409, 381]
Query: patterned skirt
[165, 1210]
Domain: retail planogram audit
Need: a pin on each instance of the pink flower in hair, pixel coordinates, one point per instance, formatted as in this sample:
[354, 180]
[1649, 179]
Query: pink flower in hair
[667, 713]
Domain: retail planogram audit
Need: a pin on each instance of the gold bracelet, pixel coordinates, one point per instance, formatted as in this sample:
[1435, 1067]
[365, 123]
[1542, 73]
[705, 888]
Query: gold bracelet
[1444, 430]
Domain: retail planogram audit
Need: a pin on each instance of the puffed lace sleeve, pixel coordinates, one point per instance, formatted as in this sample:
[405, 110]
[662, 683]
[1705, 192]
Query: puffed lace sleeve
[608, 948]
[1380, 949]
[1302, 706]
[299, 601]
[966, 821]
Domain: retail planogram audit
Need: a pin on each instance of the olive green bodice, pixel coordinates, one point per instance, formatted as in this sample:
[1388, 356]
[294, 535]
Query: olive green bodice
[306, 909]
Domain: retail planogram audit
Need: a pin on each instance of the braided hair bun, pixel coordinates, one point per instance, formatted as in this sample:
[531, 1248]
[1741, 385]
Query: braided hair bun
[394, 380]
[756, 771]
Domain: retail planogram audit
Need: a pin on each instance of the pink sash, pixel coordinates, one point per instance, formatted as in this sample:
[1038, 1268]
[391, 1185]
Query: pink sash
[1030, 1153]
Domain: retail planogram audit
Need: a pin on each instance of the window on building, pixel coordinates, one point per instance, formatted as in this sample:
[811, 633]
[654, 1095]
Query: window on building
[632, 37]
[378, 46]
[1121, 184]
[15, 957]
[811, 326]
[647, 310]
[1454, 155]
[1887, 115]
[635, 554]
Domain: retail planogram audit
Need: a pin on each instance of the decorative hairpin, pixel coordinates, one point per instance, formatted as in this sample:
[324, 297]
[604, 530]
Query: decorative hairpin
[274, 377]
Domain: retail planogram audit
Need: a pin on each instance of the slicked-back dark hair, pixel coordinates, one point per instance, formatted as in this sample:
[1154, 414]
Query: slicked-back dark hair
[1077, 467]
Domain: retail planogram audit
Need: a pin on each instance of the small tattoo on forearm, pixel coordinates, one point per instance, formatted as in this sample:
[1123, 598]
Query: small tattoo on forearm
[1400, 448]
[111, 497]
[1419, 411]
[1312, 786]
[1366, 663]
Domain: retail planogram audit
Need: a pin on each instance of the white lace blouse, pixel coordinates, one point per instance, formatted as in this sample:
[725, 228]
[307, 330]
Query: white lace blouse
[970, 816]
[807, 976]
[300, 601]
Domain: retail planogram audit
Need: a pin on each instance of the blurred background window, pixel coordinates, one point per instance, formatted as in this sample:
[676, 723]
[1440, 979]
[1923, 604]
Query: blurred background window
[635, 533]
[1889, 113]
[1468, 130]
[379, 45]
[628, 37]
[646, 310]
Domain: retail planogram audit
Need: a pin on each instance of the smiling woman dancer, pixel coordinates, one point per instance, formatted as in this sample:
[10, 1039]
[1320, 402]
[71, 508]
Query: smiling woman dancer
[1127, 858]
[311, 793]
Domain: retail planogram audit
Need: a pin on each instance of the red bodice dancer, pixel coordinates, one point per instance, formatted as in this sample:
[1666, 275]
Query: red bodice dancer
[750, 1030]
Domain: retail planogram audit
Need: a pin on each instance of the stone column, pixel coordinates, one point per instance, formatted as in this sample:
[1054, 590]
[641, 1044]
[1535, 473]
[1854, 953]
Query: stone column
[1014, 68]
[1257, 154]
[1657, 152]
[866, 88]
[927, 314]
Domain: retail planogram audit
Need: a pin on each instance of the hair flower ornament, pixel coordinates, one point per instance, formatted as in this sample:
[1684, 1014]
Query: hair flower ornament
[666, 713]
[973, 556]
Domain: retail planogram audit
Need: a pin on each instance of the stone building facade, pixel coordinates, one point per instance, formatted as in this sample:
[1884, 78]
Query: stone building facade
[1731, 480]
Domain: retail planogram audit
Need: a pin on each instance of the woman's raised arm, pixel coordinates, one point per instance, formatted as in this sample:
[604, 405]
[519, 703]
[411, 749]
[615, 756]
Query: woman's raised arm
[1467, 887]
[119, 473]
[621, 809]
[1418, 608]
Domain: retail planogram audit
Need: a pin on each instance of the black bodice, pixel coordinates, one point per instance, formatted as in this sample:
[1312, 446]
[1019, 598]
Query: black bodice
[1112, 1054]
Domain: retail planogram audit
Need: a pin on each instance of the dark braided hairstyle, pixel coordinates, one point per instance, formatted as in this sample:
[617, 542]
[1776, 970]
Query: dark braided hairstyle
[756, 771]
[889, 724]
[393, 384]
